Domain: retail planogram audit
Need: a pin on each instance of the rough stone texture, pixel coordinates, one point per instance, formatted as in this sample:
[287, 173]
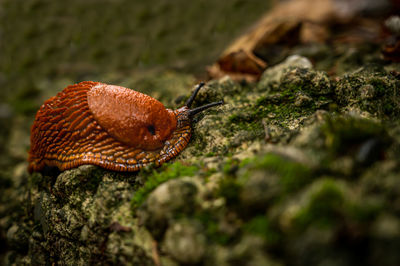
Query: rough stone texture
[274, 74]
[74, 216]
[176, 197]
[374, 91]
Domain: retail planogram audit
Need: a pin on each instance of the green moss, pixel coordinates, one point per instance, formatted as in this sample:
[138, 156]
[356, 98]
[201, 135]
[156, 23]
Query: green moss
[379, 86]
[262, 226]
[159, 176]
[231, 166]
[293, 175]
[92, 184]
[342, 134]
[250, 119]
[245, 120]
[328, 206]
[284, 111]
[234, 118]
[281, 105]
[324, 209]
[375, 92]
[229, 189]
[364, 210]
[210, 154]
[210, 223]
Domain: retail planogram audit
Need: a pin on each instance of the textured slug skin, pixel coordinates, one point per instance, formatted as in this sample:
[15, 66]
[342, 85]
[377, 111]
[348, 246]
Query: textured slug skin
[109, 126]
[126, 115]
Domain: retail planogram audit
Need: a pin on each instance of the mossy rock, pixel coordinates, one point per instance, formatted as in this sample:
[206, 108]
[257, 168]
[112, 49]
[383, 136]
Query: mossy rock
[375, 92]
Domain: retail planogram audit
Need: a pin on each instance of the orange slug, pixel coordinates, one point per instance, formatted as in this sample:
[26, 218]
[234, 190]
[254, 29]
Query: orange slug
[110, 126]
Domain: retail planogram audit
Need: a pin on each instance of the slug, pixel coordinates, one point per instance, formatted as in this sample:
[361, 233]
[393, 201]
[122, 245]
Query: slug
[109, 126]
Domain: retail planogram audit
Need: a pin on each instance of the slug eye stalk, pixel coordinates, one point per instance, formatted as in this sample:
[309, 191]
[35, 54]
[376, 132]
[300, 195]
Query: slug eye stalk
[199, 109]
[194, 94]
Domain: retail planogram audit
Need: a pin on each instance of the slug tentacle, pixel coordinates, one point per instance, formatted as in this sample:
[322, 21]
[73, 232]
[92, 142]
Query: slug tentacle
[194, 94]
[109, 126]
[199, 109]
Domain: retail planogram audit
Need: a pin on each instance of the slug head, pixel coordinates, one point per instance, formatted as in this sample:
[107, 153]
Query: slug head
[131, 117]
[185, 114]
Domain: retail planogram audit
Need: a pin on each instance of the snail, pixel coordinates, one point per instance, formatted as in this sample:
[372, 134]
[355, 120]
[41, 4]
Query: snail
[109, 126]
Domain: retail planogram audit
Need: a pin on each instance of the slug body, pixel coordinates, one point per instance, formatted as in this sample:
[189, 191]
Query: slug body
[110, 126]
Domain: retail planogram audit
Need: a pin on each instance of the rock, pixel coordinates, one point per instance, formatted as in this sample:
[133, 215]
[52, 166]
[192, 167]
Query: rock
[17, 237]
[393, 24]
[386, 226]
[370, 90]
[168, 199]
[259, 190]
[311, 82]
[249, 251]
[274, 74]
[186, 242]
[302, 100]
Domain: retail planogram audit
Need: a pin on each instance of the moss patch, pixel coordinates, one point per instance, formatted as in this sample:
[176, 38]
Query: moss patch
[210, 223]
[332, 204]
[293, 175]
[159, 176]
[372, 91]
[325, 207]
[344, 134]
[262, 226]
